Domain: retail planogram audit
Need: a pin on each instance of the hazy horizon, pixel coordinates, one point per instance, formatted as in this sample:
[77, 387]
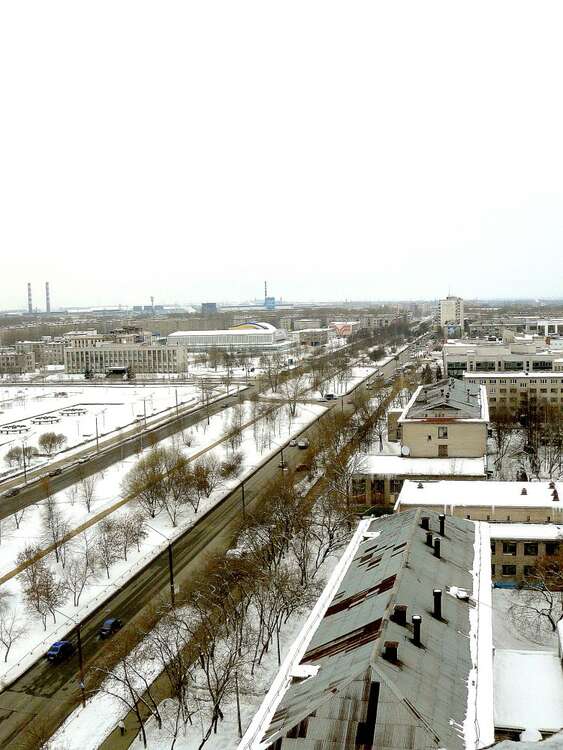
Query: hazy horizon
[368, 151]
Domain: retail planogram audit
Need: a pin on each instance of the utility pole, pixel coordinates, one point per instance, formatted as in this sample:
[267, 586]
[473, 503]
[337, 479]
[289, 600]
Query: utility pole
[171, 570]
[81, 665]
[177, 410]
[97, 437]
[145, 411]
[24, 467]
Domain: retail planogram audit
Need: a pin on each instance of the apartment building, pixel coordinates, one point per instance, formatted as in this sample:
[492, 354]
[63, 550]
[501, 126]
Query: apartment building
[312, 336]
[13, 362]
[516, 547]
[375, 322]
[506, 502]
[46, 351]
[451, 312]
[495, 326]
[519, 391]
[444, 420]
[529, 354]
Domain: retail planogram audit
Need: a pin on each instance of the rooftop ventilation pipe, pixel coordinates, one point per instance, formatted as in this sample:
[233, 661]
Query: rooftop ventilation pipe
[437, 547]
[416, 624]
[429, 538]
[425, 523]
[399, 615]
[391, 650]
[442, 518]
[524, 491]
[437, 594]
[555, 496]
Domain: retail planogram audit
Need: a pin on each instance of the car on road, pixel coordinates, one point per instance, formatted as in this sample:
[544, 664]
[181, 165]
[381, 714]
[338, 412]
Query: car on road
[330, 396]
[292, 443]
[303, 443]
[109, 627]
[60, 651]
[56, 472]
[84, 459]
[13, 492]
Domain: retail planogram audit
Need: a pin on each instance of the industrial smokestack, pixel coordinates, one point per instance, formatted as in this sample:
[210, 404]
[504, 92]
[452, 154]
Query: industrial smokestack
[29, 302]
[47, 298]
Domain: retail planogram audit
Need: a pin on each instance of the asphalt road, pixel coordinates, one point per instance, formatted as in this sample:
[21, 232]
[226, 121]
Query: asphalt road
[35, 491]
[46, 690]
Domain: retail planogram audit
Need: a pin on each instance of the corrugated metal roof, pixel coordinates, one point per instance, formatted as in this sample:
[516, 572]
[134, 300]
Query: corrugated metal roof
[450, 397]
[359, 699]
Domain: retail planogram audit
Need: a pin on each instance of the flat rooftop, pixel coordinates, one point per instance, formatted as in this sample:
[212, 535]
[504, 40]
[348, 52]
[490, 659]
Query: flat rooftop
[385, 465]
[451, 493]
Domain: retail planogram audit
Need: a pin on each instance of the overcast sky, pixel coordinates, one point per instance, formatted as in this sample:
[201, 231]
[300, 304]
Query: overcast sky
[361, 150]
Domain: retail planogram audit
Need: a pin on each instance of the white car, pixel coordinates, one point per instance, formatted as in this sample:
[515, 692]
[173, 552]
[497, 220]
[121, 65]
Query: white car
[304, 443]
[292, 443]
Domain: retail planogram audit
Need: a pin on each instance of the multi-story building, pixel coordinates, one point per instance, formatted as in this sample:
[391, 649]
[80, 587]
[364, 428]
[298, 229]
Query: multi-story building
[13, 362]
[253, 337]
[516, 547]
[448, 419]
[141, 358]
[374, 322]
[451, 313]
[526, 502]
[495, 326]
[312, 336]
[47, 351]
[345, 328]
[519, 391]
[528, 354]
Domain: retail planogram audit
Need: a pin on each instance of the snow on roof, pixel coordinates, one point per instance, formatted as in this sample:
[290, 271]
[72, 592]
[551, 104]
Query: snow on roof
[532, 531]
[516, 374]
[434, 467]
[528, 690]
[446, 493]
[250, 329]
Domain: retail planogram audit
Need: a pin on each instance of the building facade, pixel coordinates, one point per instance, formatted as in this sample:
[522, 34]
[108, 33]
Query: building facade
[516, 547]
[518, 392]
[452, 313]
[16, 363]
[256, 337]
[141, 358]
[531, 355]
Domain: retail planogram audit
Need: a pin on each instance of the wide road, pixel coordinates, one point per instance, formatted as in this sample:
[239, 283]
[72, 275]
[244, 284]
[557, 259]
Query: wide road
[35, 491]
[49, 691]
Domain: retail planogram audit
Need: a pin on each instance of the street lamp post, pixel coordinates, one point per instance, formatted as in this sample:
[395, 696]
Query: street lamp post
[97, 436]
[170, 564]
[24, 466]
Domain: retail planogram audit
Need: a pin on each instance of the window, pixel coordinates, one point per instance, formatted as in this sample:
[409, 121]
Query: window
[509, 570]
[442, 433]
[552, 548]
[509, 548]
[396, 486]
[528, 570]
[493, 570]
[442, 451]
[493, 548]
[530, 548]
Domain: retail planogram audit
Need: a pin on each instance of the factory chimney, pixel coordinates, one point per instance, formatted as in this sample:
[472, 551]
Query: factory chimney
[29, 302]
[47, 298]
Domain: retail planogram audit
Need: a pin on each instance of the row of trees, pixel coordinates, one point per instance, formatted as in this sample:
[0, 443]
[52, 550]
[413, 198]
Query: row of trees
[49, 443]
[165, 481]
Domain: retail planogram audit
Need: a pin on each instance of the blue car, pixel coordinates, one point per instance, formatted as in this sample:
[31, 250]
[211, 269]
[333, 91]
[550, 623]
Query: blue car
[109, 627]
[60, 651]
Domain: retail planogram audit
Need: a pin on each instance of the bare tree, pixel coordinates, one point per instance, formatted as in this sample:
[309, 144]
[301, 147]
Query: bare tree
[293, 389]
[82, 567]
[130, 529]
[51, 442]
[11, 629]
[107, 543]
[502, 424]
[55, 527]
[144, 483]
[87, 490]
[539, 606]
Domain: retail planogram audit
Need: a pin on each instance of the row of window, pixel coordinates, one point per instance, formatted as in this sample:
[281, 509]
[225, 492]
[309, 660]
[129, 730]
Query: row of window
[510, 570]
[530, 548]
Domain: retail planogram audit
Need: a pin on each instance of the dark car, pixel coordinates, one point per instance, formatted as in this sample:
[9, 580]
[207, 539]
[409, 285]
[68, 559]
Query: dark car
[109, 627]
[60, 651]
[55, 472]
[13, 492]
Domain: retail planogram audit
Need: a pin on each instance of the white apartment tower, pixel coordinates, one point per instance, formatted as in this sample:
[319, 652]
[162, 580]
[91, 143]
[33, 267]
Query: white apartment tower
[451, 312]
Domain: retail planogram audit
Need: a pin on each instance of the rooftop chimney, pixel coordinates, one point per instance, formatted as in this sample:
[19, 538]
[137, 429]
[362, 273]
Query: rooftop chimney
[555, 496]
[29, 302]
[429, 538]
[524, 491]
[425, 523]
[437, 547]
[442, 518]
[399, 615]
[391, 650]
[437, 594]
[47, 298]
[416, 623]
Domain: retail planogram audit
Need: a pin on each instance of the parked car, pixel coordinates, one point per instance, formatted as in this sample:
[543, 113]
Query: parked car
[84, 459]
[292, 443]
[55, 472]
[303, 443]
[109, 627]
[330, 396]
[60, 651]
[11, 493]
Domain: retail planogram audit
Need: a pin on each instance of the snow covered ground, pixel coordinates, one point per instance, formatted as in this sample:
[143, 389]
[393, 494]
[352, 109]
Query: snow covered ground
[258, 444]
[74, 411]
